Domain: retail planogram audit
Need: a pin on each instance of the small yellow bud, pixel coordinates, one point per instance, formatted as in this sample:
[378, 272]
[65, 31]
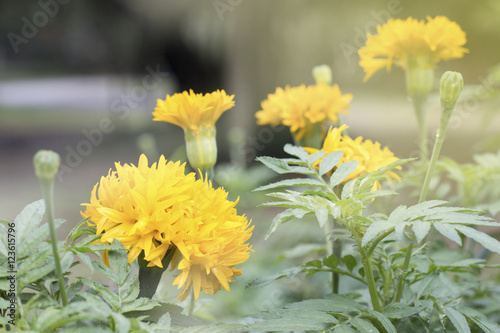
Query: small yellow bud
[46, 163]
[322, 74]
[201, 148]
[450, 88]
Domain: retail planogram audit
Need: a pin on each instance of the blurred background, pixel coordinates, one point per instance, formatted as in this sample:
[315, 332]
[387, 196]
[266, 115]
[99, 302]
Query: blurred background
[82, 78]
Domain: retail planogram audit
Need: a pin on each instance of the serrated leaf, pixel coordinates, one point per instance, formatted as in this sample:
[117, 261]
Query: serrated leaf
[110, 297]
[284, 217]
[140, 304]
[317, 316]
[286, 325]
[336, 304]
[421, 229]
[485, 240]
[40, 234]
[364, 326]
[316, 156]
[376, 228]
[121, 323]
[330, 161]
[274, 164]
[322, 216]
[286, 273]
[342, 172]
[384, 320]
[224, 328]
[400, 310]
[457, 319]
[28, 220]
[480, 320]
[292, 182]
[344, 329]
[448, 231]
[296, 151]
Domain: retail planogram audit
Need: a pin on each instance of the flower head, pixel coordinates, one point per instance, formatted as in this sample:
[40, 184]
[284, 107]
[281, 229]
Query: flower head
[412, 43]
[370, 155]
[213, 242]
[300, 108]
[154, 209]
[193, 111]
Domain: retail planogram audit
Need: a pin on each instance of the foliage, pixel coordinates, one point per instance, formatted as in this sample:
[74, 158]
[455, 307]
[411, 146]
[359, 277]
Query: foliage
[93, 306]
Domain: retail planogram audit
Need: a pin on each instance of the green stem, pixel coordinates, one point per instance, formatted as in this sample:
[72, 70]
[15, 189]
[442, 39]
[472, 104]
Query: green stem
[370, 280]
[190, 306]
[445, 117]
[149, 277]
[48, 194]
[418, 105]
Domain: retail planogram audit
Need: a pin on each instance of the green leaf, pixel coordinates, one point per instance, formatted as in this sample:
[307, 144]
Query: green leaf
[342, 172]
[384, 320]
[280, 325]
[448, 231]
[317, 316]
[322, 216]
[331, 261]
[40, 235]
[344, 328]
[330, 161]
[485, 240]
[349, 261]
[421, 229]
[292, 182]
[139, 304]
[316, 156]
[28, 220]
[287, 273]
[225, 328]
[336, 304]
[457, 319]
[284, 217]
[480, 320]
[110, 297]
[364, 326]
[296, 151]
[400, 310]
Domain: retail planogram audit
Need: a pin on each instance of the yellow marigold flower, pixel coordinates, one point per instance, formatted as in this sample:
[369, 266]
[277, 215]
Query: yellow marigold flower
[369, 154]
[213, 242]
[141, 207]
[302, 107]
[152, 209]
[193, 111]
[411, 42]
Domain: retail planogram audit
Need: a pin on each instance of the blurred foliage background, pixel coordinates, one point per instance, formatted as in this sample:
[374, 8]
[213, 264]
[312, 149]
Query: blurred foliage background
[82, 78]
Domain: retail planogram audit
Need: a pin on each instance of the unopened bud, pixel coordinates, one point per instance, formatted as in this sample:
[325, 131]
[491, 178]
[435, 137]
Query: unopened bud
[322, 74]
[46, 163]
[450, 89]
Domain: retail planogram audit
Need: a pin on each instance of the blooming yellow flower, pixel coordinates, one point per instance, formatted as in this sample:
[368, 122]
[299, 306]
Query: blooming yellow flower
[411, 42]
[213, 242]
[152, 209]
[192, 111]
[142, 207]
[300, 108]
[369, 154]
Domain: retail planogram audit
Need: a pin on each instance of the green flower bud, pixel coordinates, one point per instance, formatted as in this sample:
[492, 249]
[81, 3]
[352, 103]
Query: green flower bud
[46, 163]
[450, 89]
[322, 74]
[202, 148]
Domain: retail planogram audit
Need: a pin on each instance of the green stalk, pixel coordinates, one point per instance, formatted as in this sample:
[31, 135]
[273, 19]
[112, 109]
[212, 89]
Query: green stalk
[370, 280]
[418, 105]
[450, 88]
[48, 194]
